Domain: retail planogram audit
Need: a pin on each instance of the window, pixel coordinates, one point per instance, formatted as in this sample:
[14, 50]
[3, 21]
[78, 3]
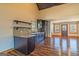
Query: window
[56, 28]
[73, 28]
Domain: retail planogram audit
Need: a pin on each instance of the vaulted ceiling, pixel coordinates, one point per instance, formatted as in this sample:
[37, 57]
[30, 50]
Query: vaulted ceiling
[47, 5]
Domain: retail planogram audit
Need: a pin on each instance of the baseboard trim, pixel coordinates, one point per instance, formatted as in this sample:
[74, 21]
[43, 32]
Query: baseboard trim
[73, 36]
[56, 35]
[65, 36]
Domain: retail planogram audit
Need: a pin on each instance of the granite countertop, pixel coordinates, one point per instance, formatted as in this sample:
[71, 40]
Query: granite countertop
[38, 33]
[31, 35]
[26, 36]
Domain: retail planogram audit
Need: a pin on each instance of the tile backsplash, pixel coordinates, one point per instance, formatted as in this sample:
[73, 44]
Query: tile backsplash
[21, 29]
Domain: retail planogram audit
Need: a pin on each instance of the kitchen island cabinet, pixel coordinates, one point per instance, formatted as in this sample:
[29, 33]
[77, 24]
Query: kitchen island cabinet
[24, 45]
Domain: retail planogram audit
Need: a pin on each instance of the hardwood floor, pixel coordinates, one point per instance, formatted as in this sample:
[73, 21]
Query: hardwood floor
[55, 46]
[12, 53]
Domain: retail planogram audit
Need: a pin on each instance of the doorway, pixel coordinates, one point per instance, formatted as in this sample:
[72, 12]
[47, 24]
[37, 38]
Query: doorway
[64, 29]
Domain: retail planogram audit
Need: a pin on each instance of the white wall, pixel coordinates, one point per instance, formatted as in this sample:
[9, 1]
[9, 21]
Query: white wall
[51, 28]
[60, 12]
[78, 29]
[8, 13]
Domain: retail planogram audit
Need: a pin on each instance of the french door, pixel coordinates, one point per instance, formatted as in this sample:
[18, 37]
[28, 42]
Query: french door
[64, 30]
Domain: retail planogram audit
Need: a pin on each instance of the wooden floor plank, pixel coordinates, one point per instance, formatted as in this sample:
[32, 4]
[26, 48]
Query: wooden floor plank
[45, 48]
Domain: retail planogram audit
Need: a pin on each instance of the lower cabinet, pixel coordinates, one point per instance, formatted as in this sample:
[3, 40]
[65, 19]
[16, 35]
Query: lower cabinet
[31, 44]
[39, 38]
[24, 45]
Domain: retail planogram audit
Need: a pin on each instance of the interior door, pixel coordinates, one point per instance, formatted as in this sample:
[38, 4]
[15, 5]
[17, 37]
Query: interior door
[64, 29]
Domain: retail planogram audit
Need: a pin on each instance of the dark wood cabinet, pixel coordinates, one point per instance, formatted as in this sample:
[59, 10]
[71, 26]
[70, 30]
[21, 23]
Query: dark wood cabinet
[24, 45]
[42, 26]
[31, 44]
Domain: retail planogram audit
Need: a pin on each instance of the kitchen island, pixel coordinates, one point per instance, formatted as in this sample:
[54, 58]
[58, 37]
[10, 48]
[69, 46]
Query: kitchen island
[24, 44]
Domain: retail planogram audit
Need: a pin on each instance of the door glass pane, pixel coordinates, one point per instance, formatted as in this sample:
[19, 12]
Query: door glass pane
[64, 27]
[64, 30]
